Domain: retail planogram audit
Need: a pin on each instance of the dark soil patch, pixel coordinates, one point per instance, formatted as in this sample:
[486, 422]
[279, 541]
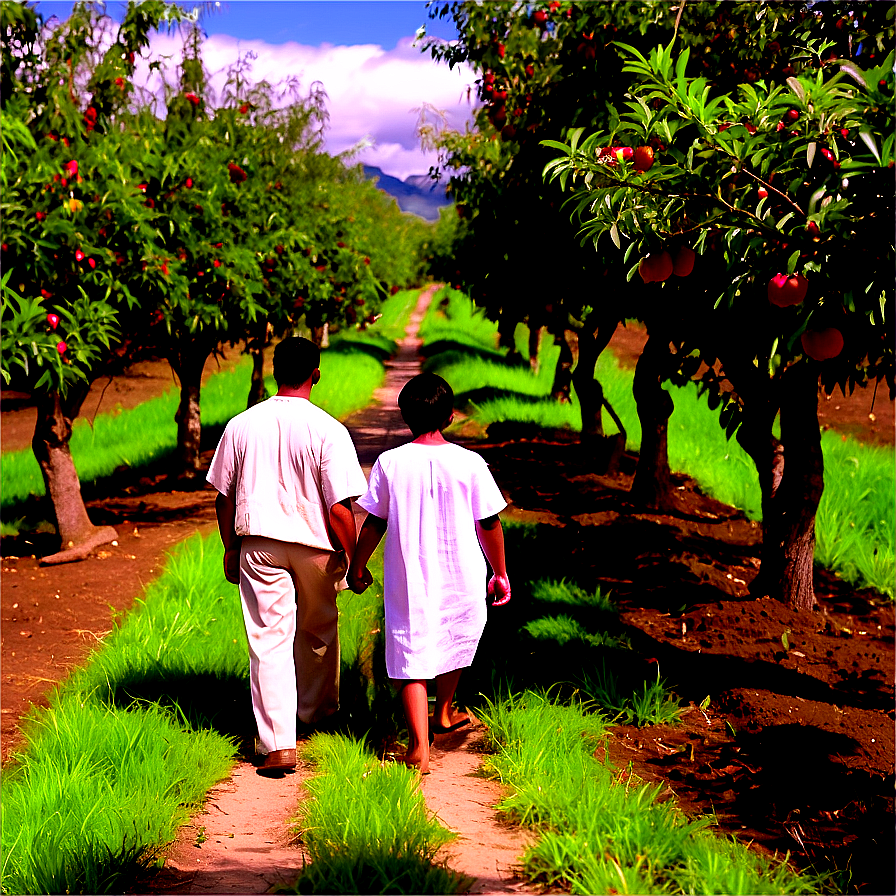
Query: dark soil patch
[793, 748]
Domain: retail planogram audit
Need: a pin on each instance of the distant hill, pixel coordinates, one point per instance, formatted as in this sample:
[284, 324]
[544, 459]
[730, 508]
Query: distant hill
[418, 195]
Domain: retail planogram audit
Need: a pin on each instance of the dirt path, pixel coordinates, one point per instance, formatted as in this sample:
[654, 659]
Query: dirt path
[240, 843]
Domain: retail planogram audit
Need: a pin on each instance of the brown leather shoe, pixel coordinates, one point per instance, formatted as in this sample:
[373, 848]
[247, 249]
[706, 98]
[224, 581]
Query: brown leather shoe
[277, 762]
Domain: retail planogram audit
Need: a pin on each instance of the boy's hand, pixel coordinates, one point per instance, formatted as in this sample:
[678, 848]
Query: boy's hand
[499, 589]
[232, 566]
[359, 581]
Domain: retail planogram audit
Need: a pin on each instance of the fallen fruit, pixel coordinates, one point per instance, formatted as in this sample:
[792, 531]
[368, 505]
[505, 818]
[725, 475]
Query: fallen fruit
[655, 267]
[822, 344]
[784, 290]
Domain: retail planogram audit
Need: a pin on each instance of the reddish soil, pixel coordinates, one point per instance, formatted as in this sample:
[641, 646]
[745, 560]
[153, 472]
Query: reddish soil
[795, 749]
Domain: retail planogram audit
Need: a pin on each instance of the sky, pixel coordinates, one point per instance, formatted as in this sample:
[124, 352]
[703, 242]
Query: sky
[363, 53]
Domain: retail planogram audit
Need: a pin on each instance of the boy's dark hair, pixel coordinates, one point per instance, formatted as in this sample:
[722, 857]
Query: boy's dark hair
[426, 403]
[295, 359]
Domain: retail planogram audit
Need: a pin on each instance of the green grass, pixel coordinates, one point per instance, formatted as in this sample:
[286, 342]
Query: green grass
[366, 827]
[599, 831]
[856, 518]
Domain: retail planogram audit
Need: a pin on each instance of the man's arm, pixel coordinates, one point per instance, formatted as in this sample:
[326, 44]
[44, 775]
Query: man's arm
[491, 537]
[359, 577]
[225, 510]
[342, 528]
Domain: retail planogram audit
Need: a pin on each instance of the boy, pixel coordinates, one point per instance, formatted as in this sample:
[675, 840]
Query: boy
[441, 506]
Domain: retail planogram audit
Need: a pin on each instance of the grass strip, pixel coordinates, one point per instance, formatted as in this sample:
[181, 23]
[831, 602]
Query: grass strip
[108, 773]
[366, 827]
[600, 831]
[856, 518]
[146, 436]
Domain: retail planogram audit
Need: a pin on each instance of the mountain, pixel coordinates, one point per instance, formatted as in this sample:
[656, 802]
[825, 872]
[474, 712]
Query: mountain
[418, 195]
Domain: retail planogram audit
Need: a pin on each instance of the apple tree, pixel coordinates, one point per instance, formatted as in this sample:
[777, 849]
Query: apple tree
[68, 169]
[779, 197]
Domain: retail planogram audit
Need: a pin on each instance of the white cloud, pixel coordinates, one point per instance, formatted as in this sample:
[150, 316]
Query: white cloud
[372, 92]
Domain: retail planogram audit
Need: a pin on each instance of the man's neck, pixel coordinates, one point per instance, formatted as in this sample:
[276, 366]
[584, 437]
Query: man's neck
[303, 391]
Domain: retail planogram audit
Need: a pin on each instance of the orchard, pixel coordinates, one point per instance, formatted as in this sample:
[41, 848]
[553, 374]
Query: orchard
[165, 226]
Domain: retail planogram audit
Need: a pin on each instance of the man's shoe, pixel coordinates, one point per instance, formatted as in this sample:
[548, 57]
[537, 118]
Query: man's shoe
[278, 762]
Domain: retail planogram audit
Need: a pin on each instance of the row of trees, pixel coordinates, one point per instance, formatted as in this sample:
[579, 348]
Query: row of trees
[739, 158]
[133, 230]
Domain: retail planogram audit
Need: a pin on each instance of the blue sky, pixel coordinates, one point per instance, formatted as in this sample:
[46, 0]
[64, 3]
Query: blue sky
[361, 50]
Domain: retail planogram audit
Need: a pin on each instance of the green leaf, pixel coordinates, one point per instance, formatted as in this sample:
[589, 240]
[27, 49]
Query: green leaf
[614, 235]
[792, 262]
[871, 143]
[797, 88]
[855, 73]
[810, 153]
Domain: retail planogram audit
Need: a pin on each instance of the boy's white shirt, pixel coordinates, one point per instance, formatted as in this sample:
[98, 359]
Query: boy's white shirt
[435, 574]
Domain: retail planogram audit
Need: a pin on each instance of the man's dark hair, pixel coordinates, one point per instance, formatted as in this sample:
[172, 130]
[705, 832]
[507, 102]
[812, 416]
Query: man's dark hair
[426, 403]
[295, 359]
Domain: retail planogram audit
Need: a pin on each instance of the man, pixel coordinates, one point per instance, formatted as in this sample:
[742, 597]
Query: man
[286, 473]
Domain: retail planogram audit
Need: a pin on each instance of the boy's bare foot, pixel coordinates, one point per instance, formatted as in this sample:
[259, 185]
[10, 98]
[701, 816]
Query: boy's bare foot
[448, 721]
[418, 759]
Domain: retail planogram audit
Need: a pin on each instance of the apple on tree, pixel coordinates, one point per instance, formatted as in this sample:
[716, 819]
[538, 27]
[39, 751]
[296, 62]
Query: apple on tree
[784, 290]
[656, 267]
[822, 344]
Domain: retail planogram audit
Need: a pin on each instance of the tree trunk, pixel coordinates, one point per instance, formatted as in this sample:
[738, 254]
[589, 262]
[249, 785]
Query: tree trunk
[256, 351]
[589, 390]
[187, 366]
[320, 335]
[561, 390]
[788, 533]
[652, 486]
[534, 342]
[791, 479]
[51, 445]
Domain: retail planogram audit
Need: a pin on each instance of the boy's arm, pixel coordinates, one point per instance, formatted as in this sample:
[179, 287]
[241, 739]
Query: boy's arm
[225, 511]
[359, 577]
[491, 537]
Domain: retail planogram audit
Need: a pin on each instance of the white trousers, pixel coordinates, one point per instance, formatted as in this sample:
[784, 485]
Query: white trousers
[288, 592]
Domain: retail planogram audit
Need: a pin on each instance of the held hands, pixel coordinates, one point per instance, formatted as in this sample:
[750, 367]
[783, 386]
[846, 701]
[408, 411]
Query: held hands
[359, 581]
[499, 589]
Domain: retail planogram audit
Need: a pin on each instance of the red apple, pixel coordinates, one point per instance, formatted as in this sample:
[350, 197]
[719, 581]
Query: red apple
[784, 290]
[763, 193]
[656, 267]
[812, 227]
[79, 255]
[540, 17]
[822, 344]
[792, 114]
[61, 347]
[683, 261]
[53, 320]
[642, 158]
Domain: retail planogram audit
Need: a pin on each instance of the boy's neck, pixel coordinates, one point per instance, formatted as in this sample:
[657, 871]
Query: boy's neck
[431, 438]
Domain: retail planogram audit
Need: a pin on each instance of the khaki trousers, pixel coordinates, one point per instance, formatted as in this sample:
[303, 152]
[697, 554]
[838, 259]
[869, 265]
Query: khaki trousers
[288, 592]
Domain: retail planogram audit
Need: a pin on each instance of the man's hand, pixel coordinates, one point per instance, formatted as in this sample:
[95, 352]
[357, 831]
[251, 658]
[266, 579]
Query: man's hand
[359, 580]
[232, 566]
[499, 589]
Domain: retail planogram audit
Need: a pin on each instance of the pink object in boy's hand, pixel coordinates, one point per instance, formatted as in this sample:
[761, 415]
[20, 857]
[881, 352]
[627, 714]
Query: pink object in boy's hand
[499, 588]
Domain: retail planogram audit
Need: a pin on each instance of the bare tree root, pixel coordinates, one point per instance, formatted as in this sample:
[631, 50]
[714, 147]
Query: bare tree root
[103, 535]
